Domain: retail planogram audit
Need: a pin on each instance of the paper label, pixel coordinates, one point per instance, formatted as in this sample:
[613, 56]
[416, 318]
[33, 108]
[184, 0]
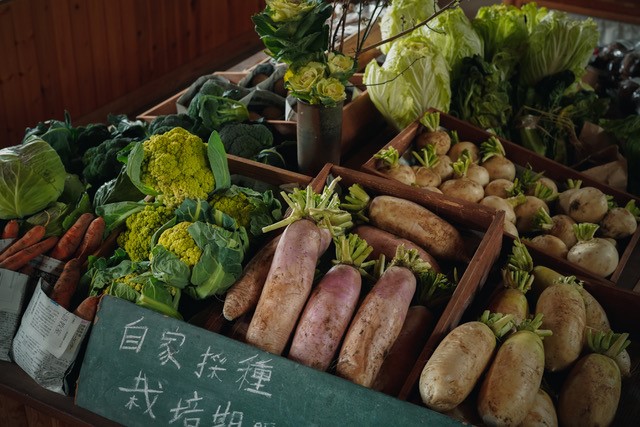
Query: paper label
[4, 243]
[48, 341]
[13, 288]
[46, 268]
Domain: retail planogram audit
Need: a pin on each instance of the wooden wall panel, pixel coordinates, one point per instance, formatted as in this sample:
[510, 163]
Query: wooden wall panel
[111, 56]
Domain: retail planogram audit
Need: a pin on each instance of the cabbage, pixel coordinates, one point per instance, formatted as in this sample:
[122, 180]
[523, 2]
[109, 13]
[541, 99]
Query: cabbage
[401, 15]
[413, 78]
[32, 177]
[454, 35]
[558, 43]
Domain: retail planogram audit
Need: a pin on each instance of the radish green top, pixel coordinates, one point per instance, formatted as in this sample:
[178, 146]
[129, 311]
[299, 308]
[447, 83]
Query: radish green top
[585, 231]
[461, 165]
[390, 157]
[353, 250]
[500, 324]
[631, 207]
[431, 121]
[533, 325]
[607, 343]
[356, 202]
[490, 148]
[427, 157]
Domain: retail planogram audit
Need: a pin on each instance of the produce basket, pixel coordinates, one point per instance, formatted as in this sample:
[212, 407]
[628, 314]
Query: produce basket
[360, 119]
[621, 307]
[625, 275]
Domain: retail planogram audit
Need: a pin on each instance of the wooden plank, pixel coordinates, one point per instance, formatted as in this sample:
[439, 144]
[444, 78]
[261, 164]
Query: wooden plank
[63, 37]
[12, 412]
[15, 112]
[47, 57]
[118, 66]
[96, 12]
[27, 59]
[160, 61]
[80, 47]
[131, 48]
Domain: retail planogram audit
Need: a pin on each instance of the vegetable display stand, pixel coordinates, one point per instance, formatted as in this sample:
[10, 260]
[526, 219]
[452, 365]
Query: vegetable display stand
[625, 275]
[319, 133]
[620, 306]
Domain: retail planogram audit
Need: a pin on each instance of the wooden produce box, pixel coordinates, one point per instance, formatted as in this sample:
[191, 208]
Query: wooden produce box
[626, 275]
[360, 118]
[622, 308]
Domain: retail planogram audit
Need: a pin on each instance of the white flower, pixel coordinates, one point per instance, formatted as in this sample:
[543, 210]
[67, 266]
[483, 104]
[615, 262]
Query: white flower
[331, 88]
[339, 64]
[288, 10]
[304, 78]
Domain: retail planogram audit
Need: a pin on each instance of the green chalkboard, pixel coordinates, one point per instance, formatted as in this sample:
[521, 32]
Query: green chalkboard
[142, 369]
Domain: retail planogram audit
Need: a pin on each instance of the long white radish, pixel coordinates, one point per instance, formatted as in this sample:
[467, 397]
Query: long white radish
[542, 413]
[457, 363]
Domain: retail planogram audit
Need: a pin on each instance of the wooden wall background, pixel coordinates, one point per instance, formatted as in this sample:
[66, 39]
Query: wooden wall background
[97, 57]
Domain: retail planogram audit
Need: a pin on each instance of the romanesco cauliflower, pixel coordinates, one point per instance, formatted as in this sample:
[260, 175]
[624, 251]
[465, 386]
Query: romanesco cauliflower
[178, 241]
[136, 239]
[237, 206]
[176, 165]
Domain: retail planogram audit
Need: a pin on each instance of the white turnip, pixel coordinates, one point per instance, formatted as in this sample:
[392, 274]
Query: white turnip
[461, 186]
[620, 222]
[433, 135]
[563, 197]
[495, 162]
[526, 213]
[543, 188]
[425, 175]
[478, 174]
[542, 413]
[560, 226]
[501, 204]
[443, 167]
[499, 187]
[594, 254]
[588, 204]
[389, 164]
[460, 147]
[549, 244]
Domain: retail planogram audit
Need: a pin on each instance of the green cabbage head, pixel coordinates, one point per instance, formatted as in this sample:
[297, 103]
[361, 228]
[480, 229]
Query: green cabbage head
[32, 177]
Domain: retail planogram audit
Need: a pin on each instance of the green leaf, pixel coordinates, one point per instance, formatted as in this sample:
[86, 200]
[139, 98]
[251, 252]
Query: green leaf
[218, 161]
[167, 267]
[134, 169]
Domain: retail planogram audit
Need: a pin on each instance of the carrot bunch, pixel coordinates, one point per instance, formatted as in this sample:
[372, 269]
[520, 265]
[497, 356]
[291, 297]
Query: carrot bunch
[26, 248]
[81, 239]
[65, 288]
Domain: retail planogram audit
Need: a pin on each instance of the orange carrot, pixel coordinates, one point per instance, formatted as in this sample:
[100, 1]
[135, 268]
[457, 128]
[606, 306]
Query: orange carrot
[87, 308]
[92, 239]
[67, 283]
[11, 230]
[31, 237]
[71, 239]
[21, 258]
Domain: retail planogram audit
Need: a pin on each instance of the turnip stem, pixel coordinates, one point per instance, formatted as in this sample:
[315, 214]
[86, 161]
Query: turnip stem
[585, 231]
[427, 157]
[490, 148]
[431, 121]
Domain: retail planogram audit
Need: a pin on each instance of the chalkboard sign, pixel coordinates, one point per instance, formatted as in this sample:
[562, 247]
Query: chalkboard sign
[142, 368]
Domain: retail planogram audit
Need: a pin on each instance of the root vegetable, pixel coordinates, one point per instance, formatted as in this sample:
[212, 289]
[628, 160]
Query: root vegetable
[591, 392]
[66, 284]
[500, 204]
[243, 295]
[526, 213]
[92, 239]
[433, 134]
[385, 243]
[478, 174]
[510, 228]
[425, 176]
[405, 350]
[461, 186]
[11, 230]
[330, 307]
[416, 223]
[21, 258]
[87, 309]
[392, 167]
[31, 237]
[618, 223]
[512, 382]
[443, 167]
[459, 360]
[510, 301]
[594, 254]
[458, 148]
[544, 188]
[565, 196]
[550, 245]
[495, 162]
[564, 313]
[499, 187]
[290, 276]
[542, 413]
[588, 204]
[560, 226]
[72, 238]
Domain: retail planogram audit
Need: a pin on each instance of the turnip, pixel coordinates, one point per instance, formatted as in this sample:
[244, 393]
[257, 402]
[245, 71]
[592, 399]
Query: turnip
[544, 189]
[620, 222]
[433, 134]
[510, 387]
[548, 244]
[560, 226]
[501, 204]
[459, 360]
[499, 187]
[330, 307]
[443, 167]
[478, 174]
[594, 254]
[290, 278]
[564, 313]
[526, 213]
[379, 319]
[542, 413]
[563, 198]
[588, 204]
[391, 166]
[458, 148]
[591, 392]
[495, 162]
[425, 175]
[510, 228]
[461, 186]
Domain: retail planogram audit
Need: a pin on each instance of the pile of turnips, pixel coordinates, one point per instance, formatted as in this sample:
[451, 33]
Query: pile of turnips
[544, 357]
[580, 224]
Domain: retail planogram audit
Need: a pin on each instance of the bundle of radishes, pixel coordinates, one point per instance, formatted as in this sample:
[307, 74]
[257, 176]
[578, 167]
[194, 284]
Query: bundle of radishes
[367, 317]
[563, 366]
[535, 209]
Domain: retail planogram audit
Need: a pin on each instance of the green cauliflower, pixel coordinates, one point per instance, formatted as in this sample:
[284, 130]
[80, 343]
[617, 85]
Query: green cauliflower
[175, 164]
[136, 239]
[251, 209]
[178, 241]
[246, 140]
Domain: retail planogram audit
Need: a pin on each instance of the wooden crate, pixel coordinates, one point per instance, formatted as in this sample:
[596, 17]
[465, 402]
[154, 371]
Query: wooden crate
[623, 310]
[554, 170]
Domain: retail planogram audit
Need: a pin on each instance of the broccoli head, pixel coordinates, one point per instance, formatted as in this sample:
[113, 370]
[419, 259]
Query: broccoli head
[178, 241]
[176, 165]
[101, 163]
[162, 124]
[246, 139]
[214, 108]
[136, 239]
